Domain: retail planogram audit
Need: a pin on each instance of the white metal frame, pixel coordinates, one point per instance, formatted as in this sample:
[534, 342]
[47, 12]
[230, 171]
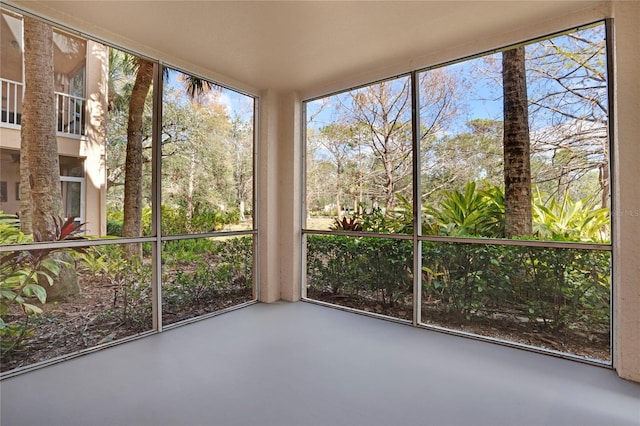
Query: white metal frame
[81, 181]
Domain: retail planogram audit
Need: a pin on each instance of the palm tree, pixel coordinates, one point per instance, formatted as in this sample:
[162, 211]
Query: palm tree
[40, 146]
[132, 226]
[516, 146]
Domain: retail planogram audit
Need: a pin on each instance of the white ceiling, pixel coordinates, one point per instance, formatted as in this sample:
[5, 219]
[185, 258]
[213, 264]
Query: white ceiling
[296, 45]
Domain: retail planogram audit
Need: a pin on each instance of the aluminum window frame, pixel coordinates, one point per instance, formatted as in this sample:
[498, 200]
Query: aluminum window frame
[417, 236]
[156, 239]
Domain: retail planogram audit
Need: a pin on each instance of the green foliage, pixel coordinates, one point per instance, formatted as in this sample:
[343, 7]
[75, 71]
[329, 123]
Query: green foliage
[558, 288]
[238, 253]
[332, 263]
[129, 279]
[570, 220]
[205, 219]
[114, 228]
[23, 274]
[470, 212]
[186, 251]
[10, 230]
[360, 266]
[345, 224]
[386, 266]
[375, 220]
[459, 275]
[550, 287]
[213, 267]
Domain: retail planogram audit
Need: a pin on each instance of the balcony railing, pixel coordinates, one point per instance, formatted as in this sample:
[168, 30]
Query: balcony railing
[11, 102]
[70, 110]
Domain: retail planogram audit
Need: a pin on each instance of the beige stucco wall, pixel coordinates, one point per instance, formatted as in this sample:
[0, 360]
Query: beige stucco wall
[269, 273]
[626, 209]
[93, 149]
[290, 226]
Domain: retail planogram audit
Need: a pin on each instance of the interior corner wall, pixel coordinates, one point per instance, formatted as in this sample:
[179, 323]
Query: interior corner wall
[267, 207]
[279, 199]
[290, 197]
[94, 149]
[626, 208]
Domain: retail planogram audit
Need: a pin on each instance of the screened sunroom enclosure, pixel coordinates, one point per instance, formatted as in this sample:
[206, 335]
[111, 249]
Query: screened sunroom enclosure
[283, 158]
[408, 215]
[160, 227]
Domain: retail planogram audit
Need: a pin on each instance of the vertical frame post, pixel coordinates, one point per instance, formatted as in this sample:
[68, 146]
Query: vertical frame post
[156, 197]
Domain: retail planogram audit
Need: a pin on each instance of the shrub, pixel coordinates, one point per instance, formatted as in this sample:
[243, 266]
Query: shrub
[23, 274]
[352, 266]
[129, 279]
[114, 228]
[204, 219]
[556, 288]
[226, 264]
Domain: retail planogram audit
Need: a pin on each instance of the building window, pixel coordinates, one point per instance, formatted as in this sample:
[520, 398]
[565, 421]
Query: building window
[3, 192]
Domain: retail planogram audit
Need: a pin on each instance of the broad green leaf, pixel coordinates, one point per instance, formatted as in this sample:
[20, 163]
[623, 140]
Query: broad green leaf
[46, 276]
[30, 309]
[7, 294]
[38, 291]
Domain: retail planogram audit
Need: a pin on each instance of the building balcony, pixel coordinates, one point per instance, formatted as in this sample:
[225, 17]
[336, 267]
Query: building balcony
[70, 110]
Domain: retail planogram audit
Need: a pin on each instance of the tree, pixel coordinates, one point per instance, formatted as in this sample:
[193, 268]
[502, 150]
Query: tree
[384, 110]
[123, 69]
[241, 143]
[516, 145]
[132, 226]
[198, 155]
[339, 142]
[451, 161]
[568, 110]
[38, 136]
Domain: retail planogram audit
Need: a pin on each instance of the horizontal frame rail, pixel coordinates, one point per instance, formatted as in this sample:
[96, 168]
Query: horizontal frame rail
[469, 240]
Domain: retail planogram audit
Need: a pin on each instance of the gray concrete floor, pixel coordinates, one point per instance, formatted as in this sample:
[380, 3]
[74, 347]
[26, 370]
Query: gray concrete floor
[303, 364]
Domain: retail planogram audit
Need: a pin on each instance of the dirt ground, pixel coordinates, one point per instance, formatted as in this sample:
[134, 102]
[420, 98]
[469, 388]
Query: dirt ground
[576, 342]
[98, 317]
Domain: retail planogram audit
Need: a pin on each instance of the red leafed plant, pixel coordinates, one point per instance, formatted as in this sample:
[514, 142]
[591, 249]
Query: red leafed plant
[350, 224]
[22, 272]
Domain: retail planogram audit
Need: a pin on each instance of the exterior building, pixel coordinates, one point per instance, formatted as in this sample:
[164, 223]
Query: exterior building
[81, 76]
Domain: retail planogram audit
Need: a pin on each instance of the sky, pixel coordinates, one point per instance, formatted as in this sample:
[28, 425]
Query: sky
[480, 84]
[235, 103]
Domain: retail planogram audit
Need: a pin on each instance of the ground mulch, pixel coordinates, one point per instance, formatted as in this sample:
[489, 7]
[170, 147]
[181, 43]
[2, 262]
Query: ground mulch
[97, 317]
[510, 328]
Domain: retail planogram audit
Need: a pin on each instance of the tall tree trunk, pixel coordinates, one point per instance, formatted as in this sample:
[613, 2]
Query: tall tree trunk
[38, 134]
[517, 167]
[604, 185]
[25, 191]
[132, 225]
[390, 187]
[190, 190]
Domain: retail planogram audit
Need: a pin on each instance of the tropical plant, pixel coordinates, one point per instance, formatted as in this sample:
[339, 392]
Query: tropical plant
[570, 220]
[478, 213]
[24, 272]
[350, 224]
